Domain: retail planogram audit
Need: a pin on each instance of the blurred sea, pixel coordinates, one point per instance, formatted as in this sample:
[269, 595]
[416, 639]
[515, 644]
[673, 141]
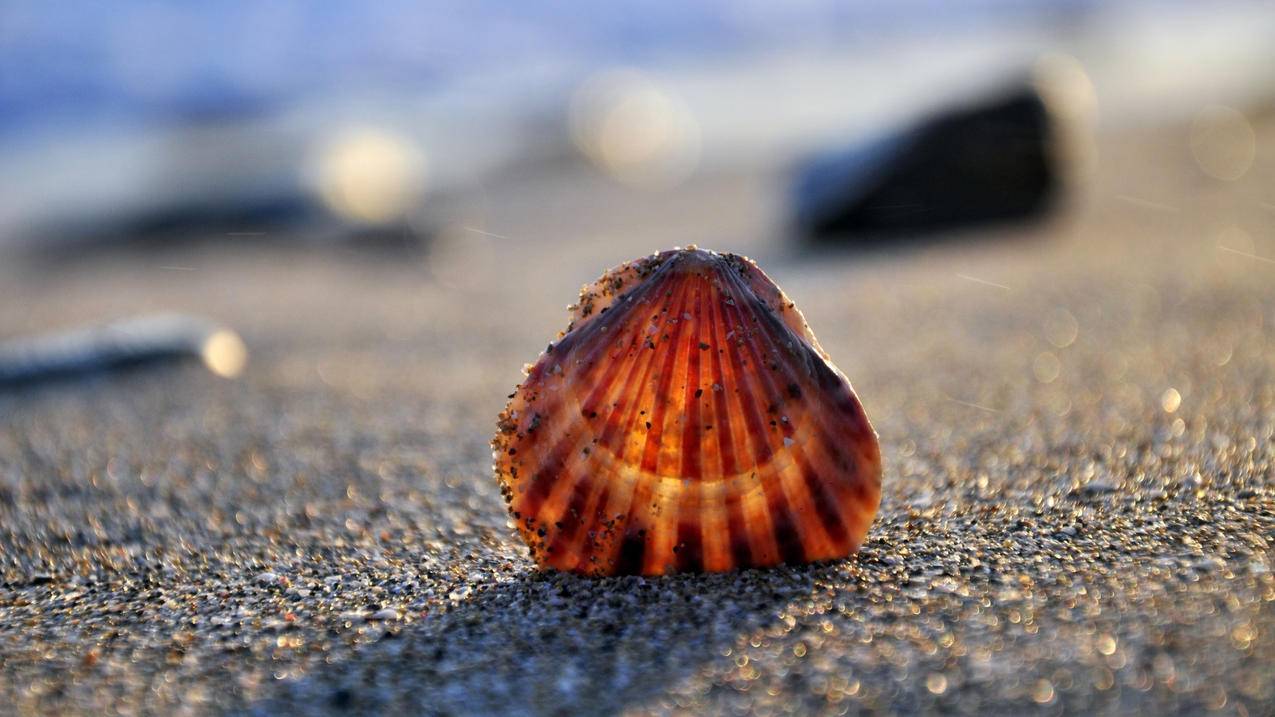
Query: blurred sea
[135, 63]
[110, 109]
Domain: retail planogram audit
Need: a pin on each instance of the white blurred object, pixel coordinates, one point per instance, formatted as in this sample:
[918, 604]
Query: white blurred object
[634, 130]
[368, 174]
[129, 342]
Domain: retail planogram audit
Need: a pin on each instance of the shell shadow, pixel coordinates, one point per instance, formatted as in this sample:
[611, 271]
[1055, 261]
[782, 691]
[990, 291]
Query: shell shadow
[554, 644]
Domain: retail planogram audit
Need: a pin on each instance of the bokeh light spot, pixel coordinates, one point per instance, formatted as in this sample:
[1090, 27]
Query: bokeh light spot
[634, 130]
[1223, 142]
[1046, 367]
[1061, 328]
[224, 353]
[368, 175]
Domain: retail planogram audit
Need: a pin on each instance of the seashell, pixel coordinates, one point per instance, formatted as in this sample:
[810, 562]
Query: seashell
[687, 420]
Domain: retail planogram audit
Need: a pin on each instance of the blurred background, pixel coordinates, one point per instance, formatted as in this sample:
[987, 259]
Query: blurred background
[339, 121]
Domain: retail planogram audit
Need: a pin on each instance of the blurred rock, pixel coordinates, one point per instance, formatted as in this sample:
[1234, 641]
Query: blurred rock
[144, 340]
[983, 163]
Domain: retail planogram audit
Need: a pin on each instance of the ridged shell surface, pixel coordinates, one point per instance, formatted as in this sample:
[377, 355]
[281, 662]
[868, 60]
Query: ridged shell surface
[687, 420]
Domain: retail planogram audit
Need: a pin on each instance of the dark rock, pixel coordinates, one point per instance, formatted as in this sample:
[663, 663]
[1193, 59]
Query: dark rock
[984, 163]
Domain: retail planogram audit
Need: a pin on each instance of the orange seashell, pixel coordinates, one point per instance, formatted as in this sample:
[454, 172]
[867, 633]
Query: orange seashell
[687, 420]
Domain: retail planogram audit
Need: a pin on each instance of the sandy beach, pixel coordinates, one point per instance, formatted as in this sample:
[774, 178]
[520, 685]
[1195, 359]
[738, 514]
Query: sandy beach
[1077, 420]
